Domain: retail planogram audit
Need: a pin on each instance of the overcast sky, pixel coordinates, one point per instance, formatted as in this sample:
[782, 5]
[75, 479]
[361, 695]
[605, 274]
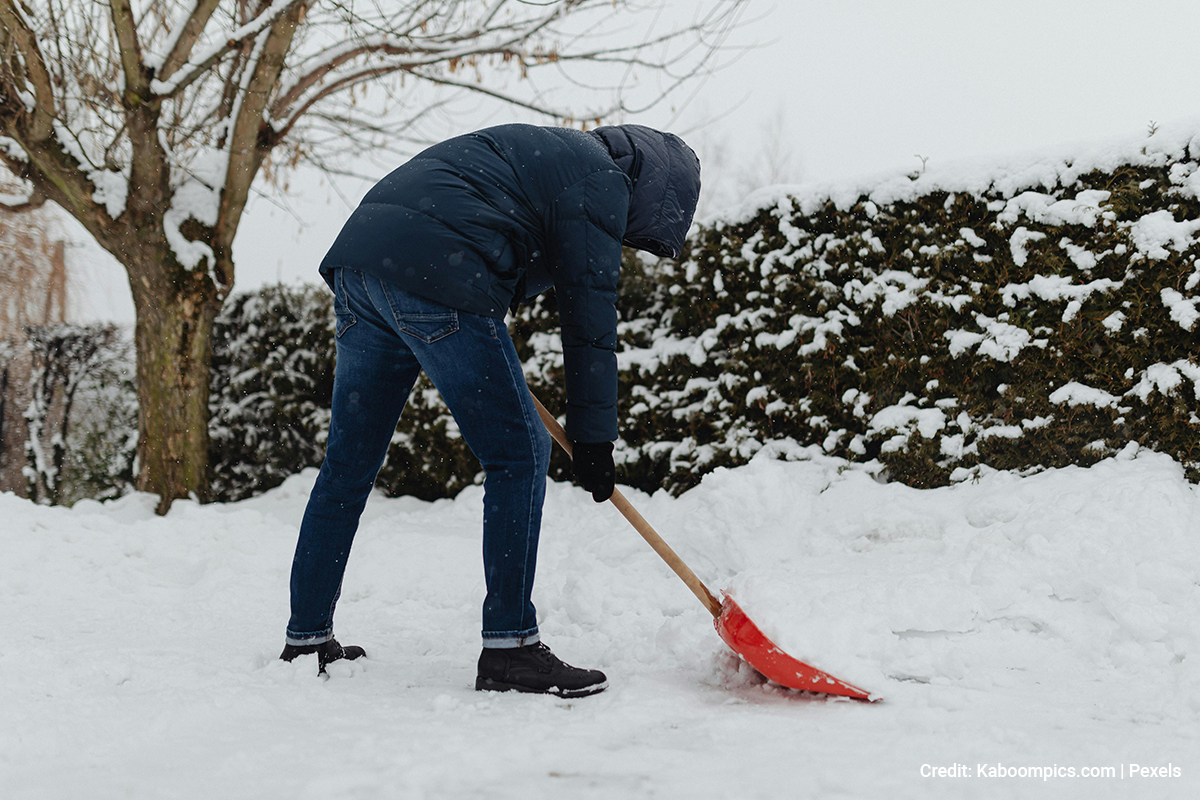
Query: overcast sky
[841, 90]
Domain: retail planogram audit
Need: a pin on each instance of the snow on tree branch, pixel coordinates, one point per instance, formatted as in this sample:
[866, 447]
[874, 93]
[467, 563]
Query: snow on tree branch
[151, 120]
[179, 47]
[206, 61]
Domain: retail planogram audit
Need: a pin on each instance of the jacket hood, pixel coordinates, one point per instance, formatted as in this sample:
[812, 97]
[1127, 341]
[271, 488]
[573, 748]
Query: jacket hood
[665, 174]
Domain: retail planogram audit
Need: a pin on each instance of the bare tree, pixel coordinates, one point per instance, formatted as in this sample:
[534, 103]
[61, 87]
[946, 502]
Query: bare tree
[33, 275]
[33, 291]
[149, 121]
[65, 357]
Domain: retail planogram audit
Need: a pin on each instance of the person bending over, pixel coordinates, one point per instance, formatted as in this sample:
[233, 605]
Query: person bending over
[422, 274]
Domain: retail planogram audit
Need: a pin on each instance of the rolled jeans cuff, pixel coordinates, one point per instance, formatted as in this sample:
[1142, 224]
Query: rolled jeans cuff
[505, 640]
[301, 639]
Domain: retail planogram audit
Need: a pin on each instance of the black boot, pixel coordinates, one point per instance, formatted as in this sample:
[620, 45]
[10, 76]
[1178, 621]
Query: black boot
[327, 652]
[533, 668]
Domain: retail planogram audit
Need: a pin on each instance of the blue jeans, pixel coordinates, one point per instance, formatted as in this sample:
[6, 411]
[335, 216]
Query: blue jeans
[385, 337]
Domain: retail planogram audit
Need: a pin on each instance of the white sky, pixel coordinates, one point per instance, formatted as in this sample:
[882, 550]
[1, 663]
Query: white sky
[839, 90]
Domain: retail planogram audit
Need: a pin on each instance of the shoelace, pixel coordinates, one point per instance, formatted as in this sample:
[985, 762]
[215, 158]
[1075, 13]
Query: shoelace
[543, 654]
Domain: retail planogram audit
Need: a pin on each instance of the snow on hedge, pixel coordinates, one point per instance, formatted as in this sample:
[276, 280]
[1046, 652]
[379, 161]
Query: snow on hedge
[1014, 180]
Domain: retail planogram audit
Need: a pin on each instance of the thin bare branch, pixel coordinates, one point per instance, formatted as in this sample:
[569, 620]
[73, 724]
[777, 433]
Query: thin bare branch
[248, 32]
[189, 34]
[353, 79]
[558, 114]
[407, 58]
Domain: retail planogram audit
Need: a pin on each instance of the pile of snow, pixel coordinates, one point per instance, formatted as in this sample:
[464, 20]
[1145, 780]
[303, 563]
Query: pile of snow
[1049, 621]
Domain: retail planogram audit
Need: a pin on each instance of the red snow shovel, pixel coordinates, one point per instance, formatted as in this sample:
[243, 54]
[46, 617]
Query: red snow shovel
[738, 631]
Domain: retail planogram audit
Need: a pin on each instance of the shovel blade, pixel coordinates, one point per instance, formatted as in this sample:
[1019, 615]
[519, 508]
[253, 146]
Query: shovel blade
[744, 637]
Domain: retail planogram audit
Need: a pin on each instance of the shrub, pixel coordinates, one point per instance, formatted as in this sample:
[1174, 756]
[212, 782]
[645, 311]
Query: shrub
[272, 381]
[1032, 319]
[82, 416]
[272, 385]
[936, 324]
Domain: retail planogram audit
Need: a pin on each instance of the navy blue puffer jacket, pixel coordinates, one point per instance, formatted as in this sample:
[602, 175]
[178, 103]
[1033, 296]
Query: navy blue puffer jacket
[484, 221]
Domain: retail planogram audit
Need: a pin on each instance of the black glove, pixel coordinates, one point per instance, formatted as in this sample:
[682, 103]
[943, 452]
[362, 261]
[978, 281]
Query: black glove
[592, 463]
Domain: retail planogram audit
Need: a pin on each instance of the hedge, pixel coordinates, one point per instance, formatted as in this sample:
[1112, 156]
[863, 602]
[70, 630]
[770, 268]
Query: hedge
[936, 324]
[1020, 317]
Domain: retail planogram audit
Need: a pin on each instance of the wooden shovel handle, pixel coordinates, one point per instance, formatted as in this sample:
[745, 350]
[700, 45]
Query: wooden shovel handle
[639, 523]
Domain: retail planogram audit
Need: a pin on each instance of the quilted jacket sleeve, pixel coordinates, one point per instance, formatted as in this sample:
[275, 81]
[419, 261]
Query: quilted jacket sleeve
[584, 232]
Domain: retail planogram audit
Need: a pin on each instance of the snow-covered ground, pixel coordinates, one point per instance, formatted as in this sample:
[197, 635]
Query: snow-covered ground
[1049, 621]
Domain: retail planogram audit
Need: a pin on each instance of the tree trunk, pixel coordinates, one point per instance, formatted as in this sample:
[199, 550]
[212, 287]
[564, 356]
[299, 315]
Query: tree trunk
[172, 336]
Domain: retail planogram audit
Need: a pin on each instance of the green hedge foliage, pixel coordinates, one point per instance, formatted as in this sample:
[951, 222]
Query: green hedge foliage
[1019, 324]
[932, 326]
[271, 386]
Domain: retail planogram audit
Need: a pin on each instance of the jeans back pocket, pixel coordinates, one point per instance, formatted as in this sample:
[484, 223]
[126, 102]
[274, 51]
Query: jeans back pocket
[341, 308]
[419, 317]
[427, 326]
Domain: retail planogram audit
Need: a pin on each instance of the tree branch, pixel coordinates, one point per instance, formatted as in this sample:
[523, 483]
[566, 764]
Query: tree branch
[561, 114]
[251, 30]
[425, 54]
[481, 39]
[246, 148]
[131, 51]
[20, 36]
[58, 176]
[15, 203]
[333, 88]
[189, 34]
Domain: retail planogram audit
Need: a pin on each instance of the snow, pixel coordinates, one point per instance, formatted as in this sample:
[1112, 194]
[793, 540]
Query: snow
[1055, 288]
[970, 236]
[1078, 394]
[904, 419]
[898, 291]
[1010, 176]
[1114, 321]
[647, 359]
[1166, 378]
[1050, 621]
[112, 190]
[1000, 340]
[197, 196]
[1083, 209]
[1155, 232]
[1181, 309]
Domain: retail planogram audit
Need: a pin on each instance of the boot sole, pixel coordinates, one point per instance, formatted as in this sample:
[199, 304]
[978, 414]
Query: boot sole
[489, 685]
